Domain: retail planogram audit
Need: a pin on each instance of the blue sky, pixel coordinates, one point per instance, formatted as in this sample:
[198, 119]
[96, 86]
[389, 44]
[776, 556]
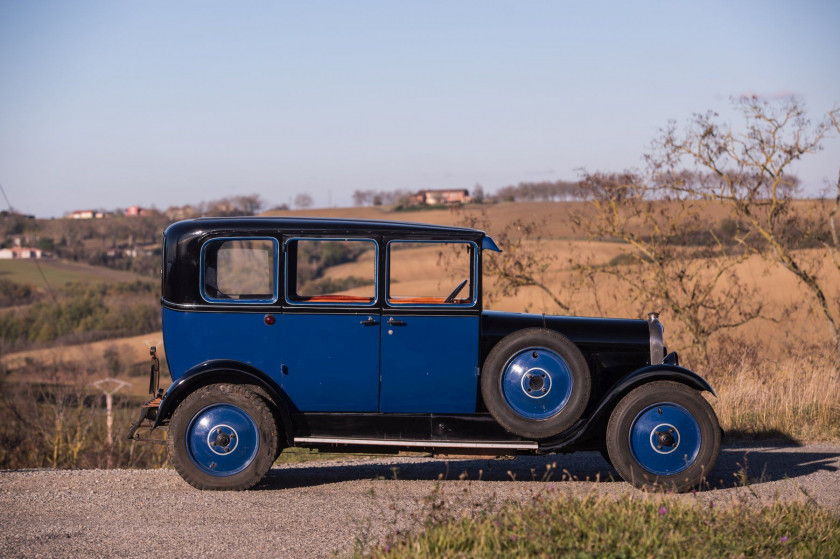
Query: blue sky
[109, 104]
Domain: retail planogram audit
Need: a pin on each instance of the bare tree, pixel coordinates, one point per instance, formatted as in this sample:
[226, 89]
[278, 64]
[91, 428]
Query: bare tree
[250, 204]
[672, 258]
[524, 260]
[478, 194]
[380, 197]
[749, 171]
[361, 197]
[303, 201]
[835, 208]
[545, 191]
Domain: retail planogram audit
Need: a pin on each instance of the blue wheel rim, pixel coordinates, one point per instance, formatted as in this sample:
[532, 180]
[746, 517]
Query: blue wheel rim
[222, 440]
[536, 383]
[665, 438]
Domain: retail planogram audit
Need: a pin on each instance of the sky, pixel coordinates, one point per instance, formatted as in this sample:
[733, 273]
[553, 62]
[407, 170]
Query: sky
[107, 104]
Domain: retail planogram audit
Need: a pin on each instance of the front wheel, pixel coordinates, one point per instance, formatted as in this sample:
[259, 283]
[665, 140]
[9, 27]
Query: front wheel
[663, 435]
[222, 437]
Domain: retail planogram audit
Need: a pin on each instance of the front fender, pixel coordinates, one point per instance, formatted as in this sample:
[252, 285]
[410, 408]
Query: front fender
[234, 372]
[660, 372]
[619, 390]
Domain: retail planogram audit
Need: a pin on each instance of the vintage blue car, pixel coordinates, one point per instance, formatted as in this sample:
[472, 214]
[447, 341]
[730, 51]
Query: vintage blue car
[334, 334]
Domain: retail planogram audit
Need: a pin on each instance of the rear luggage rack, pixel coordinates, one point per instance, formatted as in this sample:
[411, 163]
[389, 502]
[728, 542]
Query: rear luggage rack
[149, 409]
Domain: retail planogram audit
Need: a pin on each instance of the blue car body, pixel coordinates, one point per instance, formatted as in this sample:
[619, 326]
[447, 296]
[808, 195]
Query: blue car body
[349, 373]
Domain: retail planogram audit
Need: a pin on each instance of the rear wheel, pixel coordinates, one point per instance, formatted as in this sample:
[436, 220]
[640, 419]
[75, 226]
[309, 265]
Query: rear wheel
[222, 437]
[663, 435]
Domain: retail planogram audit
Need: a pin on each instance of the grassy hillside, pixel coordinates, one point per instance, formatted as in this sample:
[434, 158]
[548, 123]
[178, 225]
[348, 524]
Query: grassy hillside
[556, 216]
[60, 272]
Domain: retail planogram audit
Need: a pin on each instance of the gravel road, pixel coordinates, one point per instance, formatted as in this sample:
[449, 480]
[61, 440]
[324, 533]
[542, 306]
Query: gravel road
[318, 509]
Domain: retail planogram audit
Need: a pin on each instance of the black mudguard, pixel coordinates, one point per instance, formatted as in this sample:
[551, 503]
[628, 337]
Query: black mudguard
[619, 390]
[219, 371]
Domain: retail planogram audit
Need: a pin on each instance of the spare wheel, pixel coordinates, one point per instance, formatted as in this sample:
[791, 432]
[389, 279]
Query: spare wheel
[535, 383]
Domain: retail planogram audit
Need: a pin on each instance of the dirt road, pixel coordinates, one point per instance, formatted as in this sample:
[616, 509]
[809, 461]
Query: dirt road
[315, 509]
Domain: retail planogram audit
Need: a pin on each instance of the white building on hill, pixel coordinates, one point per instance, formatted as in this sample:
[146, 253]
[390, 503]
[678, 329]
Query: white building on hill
[20, 252]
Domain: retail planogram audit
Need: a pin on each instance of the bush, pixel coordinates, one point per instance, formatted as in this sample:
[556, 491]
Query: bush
[83, 313]
[12, 293]
[60, 422]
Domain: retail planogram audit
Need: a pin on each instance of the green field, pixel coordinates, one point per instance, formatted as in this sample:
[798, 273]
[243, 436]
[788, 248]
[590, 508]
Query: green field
[61, 272]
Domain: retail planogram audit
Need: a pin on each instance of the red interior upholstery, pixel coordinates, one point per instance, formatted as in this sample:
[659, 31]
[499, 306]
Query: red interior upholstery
[336, 299]
[426, 301]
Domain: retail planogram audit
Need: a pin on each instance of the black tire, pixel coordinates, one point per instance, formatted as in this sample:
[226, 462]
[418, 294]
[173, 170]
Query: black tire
[255, 464]
[629, 415]
[281, 441]
[513, 347]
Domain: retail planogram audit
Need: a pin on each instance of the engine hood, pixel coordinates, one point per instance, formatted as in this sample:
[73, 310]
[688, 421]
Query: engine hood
[591, 335]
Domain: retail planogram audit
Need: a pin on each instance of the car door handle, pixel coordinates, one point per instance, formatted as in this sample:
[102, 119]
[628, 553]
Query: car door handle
[369, 322]
[392, 322]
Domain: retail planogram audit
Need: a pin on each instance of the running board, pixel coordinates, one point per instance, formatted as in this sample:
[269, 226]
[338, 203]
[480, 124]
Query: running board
[523, 445]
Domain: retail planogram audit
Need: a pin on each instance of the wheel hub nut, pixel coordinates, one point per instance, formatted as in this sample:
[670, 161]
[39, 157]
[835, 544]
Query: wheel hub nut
[222, 439]
[535, 382]
[666, 438]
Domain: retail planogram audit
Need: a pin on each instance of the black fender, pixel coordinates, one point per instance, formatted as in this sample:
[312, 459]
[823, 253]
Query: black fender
[234, 372]
[618, 391]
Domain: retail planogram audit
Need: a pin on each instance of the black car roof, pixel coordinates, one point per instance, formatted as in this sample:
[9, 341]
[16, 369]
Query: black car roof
[183, 241]
[316, 224]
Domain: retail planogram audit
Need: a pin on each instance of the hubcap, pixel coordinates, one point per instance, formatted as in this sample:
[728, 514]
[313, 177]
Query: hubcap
[665, 439]
[536, 383]
[222, 439]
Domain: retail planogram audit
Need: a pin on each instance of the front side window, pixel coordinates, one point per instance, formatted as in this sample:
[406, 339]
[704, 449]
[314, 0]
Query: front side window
[431, 273]
[243, 270]
[337, 271]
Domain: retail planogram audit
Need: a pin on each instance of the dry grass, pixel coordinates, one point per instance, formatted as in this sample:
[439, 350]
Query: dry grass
[651, 526]
[797, 397]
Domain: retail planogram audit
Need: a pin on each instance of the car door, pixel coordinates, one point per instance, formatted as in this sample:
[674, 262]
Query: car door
[330, 325]
[430, 328]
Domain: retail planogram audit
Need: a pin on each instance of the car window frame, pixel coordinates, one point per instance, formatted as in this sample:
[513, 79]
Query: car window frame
[361, 304]
[473, 284]
[215, 301]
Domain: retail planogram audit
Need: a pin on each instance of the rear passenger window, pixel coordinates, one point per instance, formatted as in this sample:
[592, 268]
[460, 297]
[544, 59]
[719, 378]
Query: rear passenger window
[240, 270]
[431, 273]
[331, 271]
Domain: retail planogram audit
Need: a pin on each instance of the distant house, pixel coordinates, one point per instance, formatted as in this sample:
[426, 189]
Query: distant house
[442, 196]
[133, 211]
[20, 252]
[183, 212]
[86, 214]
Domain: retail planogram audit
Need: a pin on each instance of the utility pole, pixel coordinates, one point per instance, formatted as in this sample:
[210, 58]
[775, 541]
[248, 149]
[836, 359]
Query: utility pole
[110, 386]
